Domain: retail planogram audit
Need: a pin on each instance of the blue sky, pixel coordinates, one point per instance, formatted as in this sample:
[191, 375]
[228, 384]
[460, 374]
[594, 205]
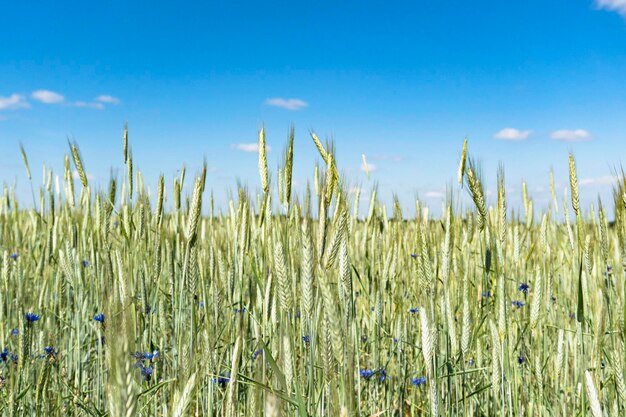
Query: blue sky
[402, 83]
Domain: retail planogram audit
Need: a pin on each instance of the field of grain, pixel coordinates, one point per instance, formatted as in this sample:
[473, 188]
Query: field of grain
[113, 304]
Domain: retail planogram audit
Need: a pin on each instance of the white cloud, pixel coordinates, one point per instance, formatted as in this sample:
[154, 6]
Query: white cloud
[108, 99]
[47, 96]
[13, 102]
[509, 133]
[91, 105]
[434, 194]
[249, 147]
[368, 168]
[76, 176]
[605, 180]
[17, 101]
[287, 103]
[618, 6]
[50, 97]
[578, 135]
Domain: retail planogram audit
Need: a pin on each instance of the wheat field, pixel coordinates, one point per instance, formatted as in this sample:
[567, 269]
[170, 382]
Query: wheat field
[135, 302]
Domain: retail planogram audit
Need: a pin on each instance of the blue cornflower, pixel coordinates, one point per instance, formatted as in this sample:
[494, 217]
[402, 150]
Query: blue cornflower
[521, 359]
[13, 256]
[50, 352]
[99, 317]
[223, 379]
[487, 294]
[147, 356]
[201, 304]
[85, 263]
[395, 340]
[366, 373]
[138, 359]
[414, 310]
[471, 362]
[517, 304]
[31, 317]
[240, 310]
[523, 287]
[15, 332]
[146, 372]
[151, 356]
[414, 255]
[257, 353]
[306, 339]
[383, 374]
[418, 381]
[6, 356]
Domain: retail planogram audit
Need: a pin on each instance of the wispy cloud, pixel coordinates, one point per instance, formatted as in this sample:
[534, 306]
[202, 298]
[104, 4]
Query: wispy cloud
[108, 99]
[618, 6]
[248, 147]
[509, 133]
[287, 103]
[577, 135]
[47, 97]
[88, 104]
[51, 97]
[76, 176]
[385, 157]
[13, 102]
[434, 194]
[598, 181]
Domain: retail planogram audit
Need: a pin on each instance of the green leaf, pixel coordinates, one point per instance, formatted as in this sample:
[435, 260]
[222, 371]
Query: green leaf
[580, 313]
